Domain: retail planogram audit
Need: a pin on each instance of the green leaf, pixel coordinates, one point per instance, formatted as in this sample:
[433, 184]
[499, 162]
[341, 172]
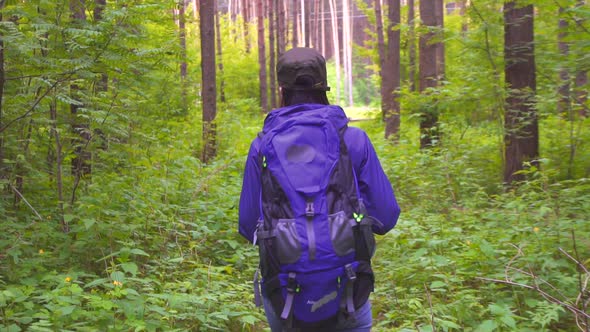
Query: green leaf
[130, 267]
[486, 326]
[140, 252]
[118, 276]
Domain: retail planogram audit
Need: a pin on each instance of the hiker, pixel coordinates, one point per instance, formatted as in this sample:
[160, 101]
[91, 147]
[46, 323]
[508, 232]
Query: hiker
[313, 194]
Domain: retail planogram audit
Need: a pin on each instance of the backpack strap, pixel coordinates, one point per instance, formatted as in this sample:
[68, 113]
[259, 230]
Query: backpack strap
[292, 288]
[349, 297]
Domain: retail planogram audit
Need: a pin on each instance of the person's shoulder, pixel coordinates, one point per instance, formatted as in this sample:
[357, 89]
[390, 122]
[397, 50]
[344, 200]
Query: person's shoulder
[355, 134]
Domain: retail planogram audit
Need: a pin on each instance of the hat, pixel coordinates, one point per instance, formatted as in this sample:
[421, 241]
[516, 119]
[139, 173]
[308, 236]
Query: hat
[302, 68]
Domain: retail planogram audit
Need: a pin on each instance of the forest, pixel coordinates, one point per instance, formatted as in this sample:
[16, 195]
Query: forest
[125, 126]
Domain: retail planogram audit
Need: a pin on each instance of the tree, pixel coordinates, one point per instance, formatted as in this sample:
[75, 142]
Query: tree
[428, 73]
[209, 94]
[262, 78]
[219, 53]
[272, 37]
[390, 77]
[411, 45]
[181, 21]
[336, 45]
[3, 172]
[81, 162]
[521, 136]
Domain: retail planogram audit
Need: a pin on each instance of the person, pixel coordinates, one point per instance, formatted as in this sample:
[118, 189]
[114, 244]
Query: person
[302, 80]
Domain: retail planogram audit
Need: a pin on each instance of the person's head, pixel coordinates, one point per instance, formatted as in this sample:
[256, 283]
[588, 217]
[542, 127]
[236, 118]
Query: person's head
[301, 73]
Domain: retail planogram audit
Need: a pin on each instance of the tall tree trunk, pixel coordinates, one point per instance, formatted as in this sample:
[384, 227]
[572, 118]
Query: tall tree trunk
[246, 20]
[323, 29]
[3, 171]
[440, 45]
[271, 50]
[316, 25]
[347, 49]
[295, 20]
[306, 14]
[280, 26]
[381, 51]
[412, 45]
[209, 95]
[428, 73]
[392, 67]
[58, 165]
[336, 45]
[219, 54]
[521, 137]
[564, 102]
[183, 57]
[81, 162]
[262, 78]
[581, 79]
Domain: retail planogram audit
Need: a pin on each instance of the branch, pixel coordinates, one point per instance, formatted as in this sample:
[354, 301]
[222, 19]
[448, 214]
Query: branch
[546, 295]
[25, 200]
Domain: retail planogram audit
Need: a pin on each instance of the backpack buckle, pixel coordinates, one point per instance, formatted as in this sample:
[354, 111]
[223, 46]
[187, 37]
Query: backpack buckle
[309, 211]
[292, 285]
[350, 272]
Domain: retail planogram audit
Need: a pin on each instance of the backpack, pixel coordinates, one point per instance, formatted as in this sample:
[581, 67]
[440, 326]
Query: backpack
[315, 239]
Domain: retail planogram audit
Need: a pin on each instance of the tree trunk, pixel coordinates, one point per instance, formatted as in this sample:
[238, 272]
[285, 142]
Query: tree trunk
[208, 93]
[411, 45]
[347, 49]
[392, 68]
[336, 45]
[381, 51]
[306, 22]
[219, 54]
[271, 50]
[295, 20]
[428, 73]
[246, 16]
[81, 162]
[521, 137]
[440, 45]
[3, 171]
[581, 79]
[183, 57]
[564, 102]
[280, 26]
[323, 29]
[262, 78]
[58, 165]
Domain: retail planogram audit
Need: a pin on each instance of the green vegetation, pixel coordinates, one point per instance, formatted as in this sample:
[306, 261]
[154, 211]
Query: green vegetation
[153, 244]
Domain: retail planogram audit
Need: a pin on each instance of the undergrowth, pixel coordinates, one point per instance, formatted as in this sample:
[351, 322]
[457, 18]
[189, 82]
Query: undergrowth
[153, 243]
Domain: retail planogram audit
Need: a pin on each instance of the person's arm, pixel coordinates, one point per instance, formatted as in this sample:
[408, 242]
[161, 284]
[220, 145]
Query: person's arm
[374, 186]
[249, 212]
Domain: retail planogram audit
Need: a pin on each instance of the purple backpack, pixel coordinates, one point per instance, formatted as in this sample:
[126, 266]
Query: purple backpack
[315, 240]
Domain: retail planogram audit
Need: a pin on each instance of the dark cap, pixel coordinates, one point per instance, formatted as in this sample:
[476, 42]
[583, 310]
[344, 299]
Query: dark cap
[302, 68]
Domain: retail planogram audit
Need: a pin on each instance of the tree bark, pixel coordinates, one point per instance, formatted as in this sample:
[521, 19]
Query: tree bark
[262, 78]
[183, 57]
[219, 54]
[81, 165]
[381, 51]
[411, 45]
[521, 137]
[280, 26]
[208, 93]
[392, 67]
[271, 50]
[294, 21]
[3, 171]
[440, 45]
[564, 102]
[581, 79]
[336, 45]
[246, 19]
[428, 73]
